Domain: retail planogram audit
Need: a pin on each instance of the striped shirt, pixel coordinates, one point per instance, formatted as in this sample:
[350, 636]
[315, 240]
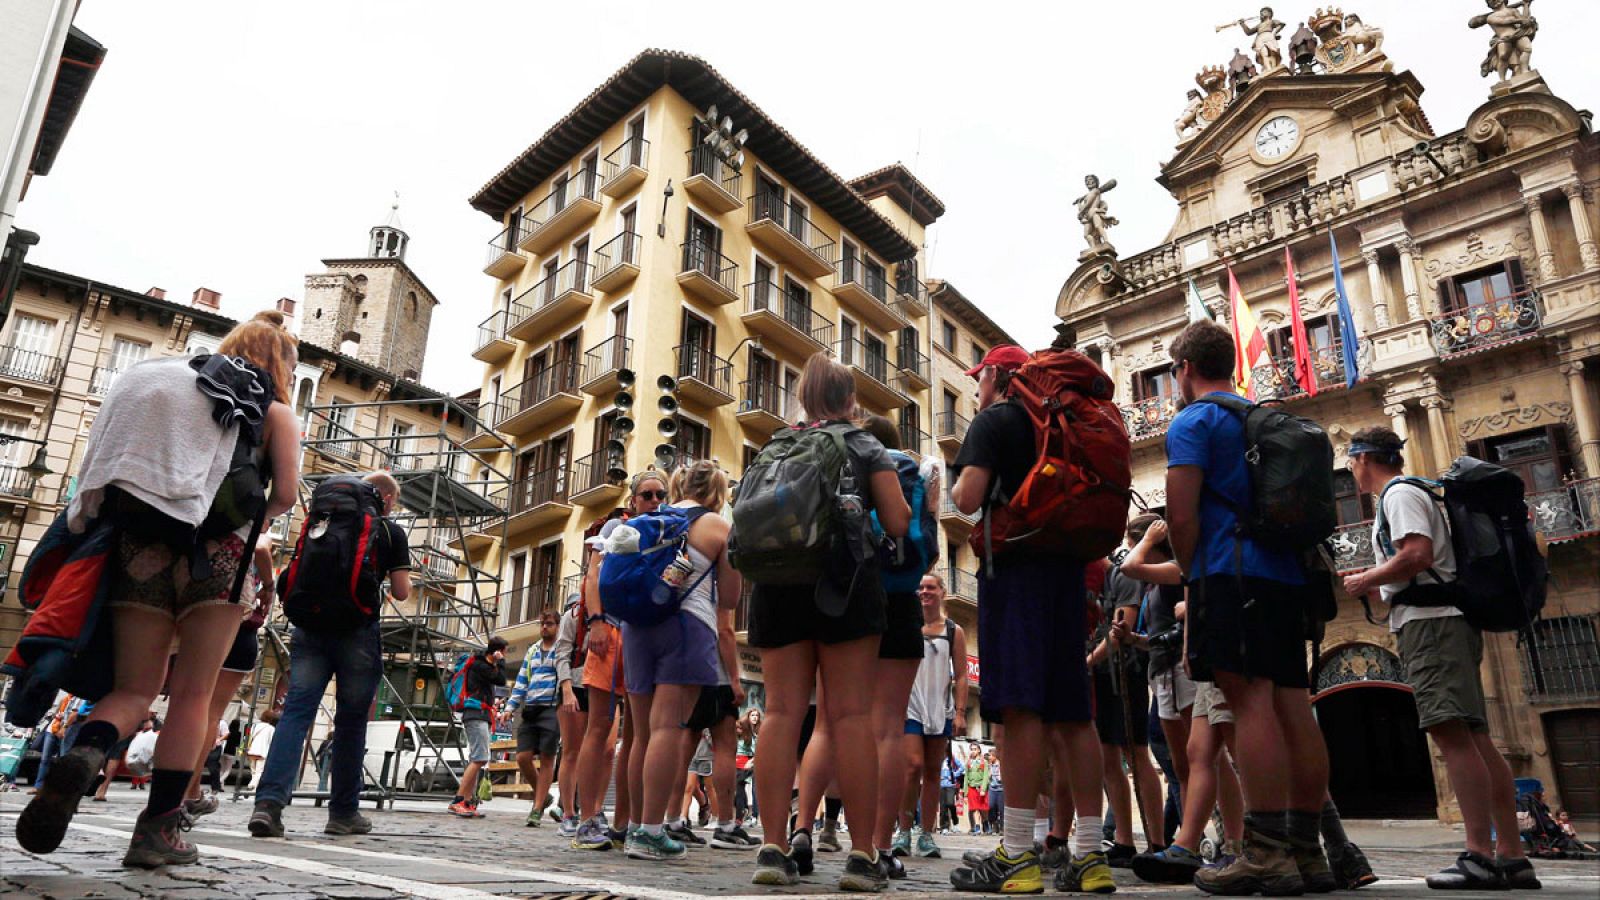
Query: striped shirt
[536, 680]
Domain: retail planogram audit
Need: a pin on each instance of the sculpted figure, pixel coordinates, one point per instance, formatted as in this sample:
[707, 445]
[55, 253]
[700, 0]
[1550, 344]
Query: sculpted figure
[1092, 212]
[1364, 38]
[1265, 39]
[1191, 114]
[1511, 47]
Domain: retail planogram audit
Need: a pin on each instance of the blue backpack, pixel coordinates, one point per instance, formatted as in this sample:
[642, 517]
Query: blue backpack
[455, 693]
[631, 587]
[902, 562]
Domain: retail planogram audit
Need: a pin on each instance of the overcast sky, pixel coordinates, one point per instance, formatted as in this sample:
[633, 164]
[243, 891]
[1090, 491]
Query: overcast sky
[235, 145]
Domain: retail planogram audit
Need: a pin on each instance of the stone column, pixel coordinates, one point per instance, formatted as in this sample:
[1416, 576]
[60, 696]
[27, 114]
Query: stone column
[1408, 277]
[1583, 414]
[1379, 297]
[1541, 237]
[1578, 204]
[1438, 437]
[1397, 421]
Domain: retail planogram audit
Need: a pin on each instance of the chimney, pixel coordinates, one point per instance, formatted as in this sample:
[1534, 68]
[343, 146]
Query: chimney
[206, 298]
[158, 293]
[286, 306]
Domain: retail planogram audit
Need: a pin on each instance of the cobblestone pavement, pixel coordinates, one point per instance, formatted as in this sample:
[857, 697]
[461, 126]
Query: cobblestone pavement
[418, 850]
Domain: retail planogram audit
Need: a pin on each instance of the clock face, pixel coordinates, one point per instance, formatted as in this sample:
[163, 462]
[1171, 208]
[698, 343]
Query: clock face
[1276, 137]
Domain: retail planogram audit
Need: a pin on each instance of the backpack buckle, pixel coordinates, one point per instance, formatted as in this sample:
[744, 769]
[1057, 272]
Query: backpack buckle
[1253, 455]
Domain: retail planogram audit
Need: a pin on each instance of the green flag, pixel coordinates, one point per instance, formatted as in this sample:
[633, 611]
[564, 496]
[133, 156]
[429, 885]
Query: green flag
[1197, 308]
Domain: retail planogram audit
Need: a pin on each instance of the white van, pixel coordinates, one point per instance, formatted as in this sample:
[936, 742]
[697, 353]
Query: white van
[418, 766]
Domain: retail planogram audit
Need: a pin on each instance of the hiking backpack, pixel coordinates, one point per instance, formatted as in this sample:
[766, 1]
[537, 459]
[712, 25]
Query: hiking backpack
[1075, 498]
[636, 585]
[1289, 460]
[791, 521]
[903, 561]
[455, 691]
[332, 584]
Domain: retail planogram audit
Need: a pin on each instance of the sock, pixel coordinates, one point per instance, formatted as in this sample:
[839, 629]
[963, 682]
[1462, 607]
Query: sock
[1018, 837]
[724, 824]
[1273, 825]
[1087, 837]
[1041, 831]
[1332, 826]
[457, 799]
[1302, 826]
[97, 734]
[167, 787]
[830, 810]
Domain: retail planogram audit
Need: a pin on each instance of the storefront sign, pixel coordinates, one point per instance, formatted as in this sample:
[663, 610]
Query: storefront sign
[972, 670]
[750, 663]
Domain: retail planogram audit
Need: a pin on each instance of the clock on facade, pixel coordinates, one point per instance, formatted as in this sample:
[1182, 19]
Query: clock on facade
[1276, 137]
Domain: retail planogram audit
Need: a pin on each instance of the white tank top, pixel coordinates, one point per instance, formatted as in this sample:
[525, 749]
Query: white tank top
[932, 694]
[700, 602]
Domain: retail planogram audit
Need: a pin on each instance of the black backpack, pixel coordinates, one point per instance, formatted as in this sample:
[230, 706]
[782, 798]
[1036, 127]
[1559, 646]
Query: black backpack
[1290, 462]
[332, 584]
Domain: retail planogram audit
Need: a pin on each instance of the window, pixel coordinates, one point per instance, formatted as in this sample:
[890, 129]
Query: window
[848, 261]
[589, 169]
[1498, 282]
[797, 305]
[15, 453]
[1568, 650]
[877, 353]
[702, 252]
[905, 276]
[747, 459]
[505, 299]
[847, 341]
[1322, 333]
[693, 441]
[1353, 506]
[636, 140]
[33, 334]
[1153, 383]
[125, 353]
[411, 305]
[29, 356]
[952, 402]
[977, 354]
[1286, 190]
[911, 429]
[949, 334]
[1538, 456]
[875, 280]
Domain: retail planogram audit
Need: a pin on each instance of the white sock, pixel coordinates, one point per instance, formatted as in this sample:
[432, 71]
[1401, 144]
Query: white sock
[1041, 830]
[1018, 837]
[652, 830]
[724, 824]
[1087, 838]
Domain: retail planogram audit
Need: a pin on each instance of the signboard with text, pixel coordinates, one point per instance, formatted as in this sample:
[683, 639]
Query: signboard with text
[972, 670]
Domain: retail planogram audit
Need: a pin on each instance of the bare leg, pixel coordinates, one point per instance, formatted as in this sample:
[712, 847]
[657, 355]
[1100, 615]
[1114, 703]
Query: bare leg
[846, 667]
[638, 724]
[663, 748]
[1155, 798]
[724, 744]
[1116, 785]
[594, 765]
[890, 693]
[1502, 798]
[790, 672]
[573, 726]
[227, 685]
[1308, 785]
[1471, 780]
[1265, 766]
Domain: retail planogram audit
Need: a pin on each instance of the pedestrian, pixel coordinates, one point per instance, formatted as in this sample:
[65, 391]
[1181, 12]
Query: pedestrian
[951, 776]
[716, 711]
[572, 715]
[142, 752]
[1247, 628]
[233, 730]
[798, 645]
[1442, 655]
[335, 636]
[997, 794]
[116, 762]
[260, 741]
[533, 704]
[696, 789]
[483, 675]
[320, 761]
[936, 711]
[977, 785]
[1033, 641]
[748, 730]
[55, 733]
[159, 458]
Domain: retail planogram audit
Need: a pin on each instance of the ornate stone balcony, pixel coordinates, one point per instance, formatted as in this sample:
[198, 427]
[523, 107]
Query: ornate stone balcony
[1569, 513]
[1499, 321]
[1149, 418]
[1352, 548]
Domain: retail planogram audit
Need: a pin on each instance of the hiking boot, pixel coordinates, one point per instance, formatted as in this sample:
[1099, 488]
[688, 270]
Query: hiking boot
[158, 841]
[591, 835]
[569, 826]
[1173, 865]
[266, 821]
[201, 806]
[997, 873]
[731, 838]
[1315, 873]
[902, 844]
[1264, 867]
[828, 840]
[925, 846]
[354, 823]
[893, 868]
[1120, 856]
[43, 822]
[662, 845]
[1086, 874]
[1226, 855]
[1350, 867]
[1471, 872]
[461, 809]
[685, 835]
[1519, 874]
[864, 874]
[800, 851]
[774, 868]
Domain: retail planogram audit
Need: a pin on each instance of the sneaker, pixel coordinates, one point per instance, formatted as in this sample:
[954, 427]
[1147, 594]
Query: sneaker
[732, 838]
[1471, 872]
[591, 835]
[619, 837]
[476, 812]
[1264, 867]
[354, 823]
[801, 852]
[685, 835]
[569, 826]
[774, 868]
[1350, 867]
[266, 821]
[926, 847]
[1087, 874]
[1315, 873]
[201, 806]
[461, 809]
[535, 818]
[158, 841]
[891, 865]
[642, 844]
[862, 873]
[997, 873]
[1056, 854]
[901, 845]
[1120, 856]
[1519, 874]
[1173, 865]
[43, 822]
[828, 840]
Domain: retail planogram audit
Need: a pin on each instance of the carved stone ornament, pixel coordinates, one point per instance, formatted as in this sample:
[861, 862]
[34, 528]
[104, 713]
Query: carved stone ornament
[1555, 413]
[1356, 664]
[1476, 253]
[1345, 39]
[1513, 28]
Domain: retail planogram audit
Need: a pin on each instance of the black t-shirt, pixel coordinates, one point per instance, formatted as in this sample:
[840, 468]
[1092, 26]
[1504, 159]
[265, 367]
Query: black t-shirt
[1161, 613]
[392, 554]
[483, 676]
[1001, 440]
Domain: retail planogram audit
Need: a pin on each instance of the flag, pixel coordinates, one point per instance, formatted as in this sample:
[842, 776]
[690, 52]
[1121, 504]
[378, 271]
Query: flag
[1249, 344]
[1347, 324]
[1197, 307]
[1303, 372]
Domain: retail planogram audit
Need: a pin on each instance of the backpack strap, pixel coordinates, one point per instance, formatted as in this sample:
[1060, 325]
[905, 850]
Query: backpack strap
[1384, 540]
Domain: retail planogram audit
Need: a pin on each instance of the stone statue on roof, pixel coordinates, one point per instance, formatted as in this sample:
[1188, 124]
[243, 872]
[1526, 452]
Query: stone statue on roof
[1263, 31]
[1094, 216]
[1190, 119]
[1511, 46]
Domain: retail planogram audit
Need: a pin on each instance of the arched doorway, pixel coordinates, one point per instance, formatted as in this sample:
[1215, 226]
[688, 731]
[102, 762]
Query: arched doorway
[1378, 763]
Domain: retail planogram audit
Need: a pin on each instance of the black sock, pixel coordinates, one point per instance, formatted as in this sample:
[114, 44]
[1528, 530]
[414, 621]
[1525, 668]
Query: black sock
[98, 734]
[167, 787]
[1272, 825]
[830, 810]
[1332, 826]
[1302, 824]
[1051, 842]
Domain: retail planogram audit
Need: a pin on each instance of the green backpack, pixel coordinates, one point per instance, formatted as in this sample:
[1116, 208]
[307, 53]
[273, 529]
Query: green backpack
[798, 508]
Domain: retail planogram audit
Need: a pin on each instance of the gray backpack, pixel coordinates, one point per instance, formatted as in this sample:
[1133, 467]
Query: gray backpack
[798, 514]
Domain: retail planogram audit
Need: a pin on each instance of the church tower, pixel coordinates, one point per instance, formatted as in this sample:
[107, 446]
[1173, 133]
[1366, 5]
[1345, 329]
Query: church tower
[373, 308]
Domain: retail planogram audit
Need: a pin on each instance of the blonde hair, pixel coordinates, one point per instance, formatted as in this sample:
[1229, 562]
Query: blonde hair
[704, 482]
[638, 482]
[385, 483]
[827, 389]
[265, 342]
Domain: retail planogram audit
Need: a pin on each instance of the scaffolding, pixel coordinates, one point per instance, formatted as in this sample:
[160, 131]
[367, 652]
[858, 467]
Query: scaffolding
[452, 506]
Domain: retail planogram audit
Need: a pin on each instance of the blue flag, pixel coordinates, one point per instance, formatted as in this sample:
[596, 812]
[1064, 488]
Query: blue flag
[1347, 324]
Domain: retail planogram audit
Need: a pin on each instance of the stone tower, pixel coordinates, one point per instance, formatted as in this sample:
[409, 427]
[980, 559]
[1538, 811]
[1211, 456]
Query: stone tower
[373, 308]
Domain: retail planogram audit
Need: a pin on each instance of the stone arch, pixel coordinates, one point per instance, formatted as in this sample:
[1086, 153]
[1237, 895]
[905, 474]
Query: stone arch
[1354, 664]
[1087, 287]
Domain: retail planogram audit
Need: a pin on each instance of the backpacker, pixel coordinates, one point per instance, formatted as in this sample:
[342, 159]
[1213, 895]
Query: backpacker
[1289, 460]
[645, 585]
[332, 584]
[1075, 498]
[903, 561]
[455, 692]
[792, 520]
[1500, 581]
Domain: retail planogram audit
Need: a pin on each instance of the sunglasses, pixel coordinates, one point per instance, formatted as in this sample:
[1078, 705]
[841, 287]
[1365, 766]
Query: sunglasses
[1175, 367]
[652, 495]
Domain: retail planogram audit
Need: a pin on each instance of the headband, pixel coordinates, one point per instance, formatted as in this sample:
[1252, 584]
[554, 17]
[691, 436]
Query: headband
[1359, 447]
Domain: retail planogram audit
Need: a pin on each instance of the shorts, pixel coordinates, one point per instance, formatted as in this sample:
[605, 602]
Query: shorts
[156, 575]
[1174, 693]
[120, 748]
[1209, 704]
[477, 740]
[1109, 707]
[242, 655]
[977, 801]
[947, 796]
[1031, 638]
[781, 615]
[917, 728]
[538, 731]
[714, 705]
[1442, 659]
[581, 694]
[1257, 634]
[604, 671]
[680, 651]
[902, 633]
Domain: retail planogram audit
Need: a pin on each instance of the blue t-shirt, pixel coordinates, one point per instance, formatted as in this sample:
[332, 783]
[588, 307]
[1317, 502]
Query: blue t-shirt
[1211, 437]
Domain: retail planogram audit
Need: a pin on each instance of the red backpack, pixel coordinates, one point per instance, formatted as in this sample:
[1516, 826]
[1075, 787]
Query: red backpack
[1075, 498]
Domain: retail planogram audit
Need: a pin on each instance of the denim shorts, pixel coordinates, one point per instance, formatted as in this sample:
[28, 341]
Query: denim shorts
[682, 651]
[477, 740]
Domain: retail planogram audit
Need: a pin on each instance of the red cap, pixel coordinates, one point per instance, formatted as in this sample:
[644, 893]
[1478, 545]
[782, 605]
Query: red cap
[1006, 356]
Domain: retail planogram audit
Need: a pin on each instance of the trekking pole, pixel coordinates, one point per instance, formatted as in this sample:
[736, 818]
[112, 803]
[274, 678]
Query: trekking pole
[1119, 680]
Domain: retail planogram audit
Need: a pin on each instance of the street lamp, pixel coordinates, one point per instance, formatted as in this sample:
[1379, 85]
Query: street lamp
[40, 466]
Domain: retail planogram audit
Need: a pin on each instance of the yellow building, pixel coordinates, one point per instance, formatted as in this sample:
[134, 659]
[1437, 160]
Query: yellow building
[1471, 267]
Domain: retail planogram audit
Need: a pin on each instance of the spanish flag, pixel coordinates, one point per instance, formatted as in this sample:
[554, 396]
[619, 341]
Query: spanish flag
[1249, 344]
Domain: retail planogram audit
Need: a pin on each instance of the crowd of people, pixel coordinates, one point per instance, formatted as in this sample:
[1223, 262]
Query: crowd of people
[1191, 636]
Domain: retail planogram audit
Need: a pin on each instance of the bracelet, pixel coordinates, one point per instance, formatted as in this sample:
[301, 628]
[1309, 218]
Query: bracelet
[597, 617]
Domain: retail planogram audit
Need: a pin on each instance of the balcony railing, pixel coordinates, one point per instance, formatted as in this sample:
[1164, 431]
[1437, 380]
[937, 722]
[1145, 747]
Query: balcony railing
[1569, 660]
[705, 161]
[491, 329]
[767, 396]
[527, 603]
[598, 469]
[101, 380]
[29, 365]
[1487, 324]
[629, 157]
[696, 362]
[439, 563]
[764, 295]
[608, 357]
[1276, 380]
[947, 507]
[1149, 418]
[911, 290]
[852, 270]
[582, 186]
[1352, 548]
[538, 488]
[340, 440]
[502, 245]
[770, 205]
[574, 276]
[16, 483]
[873, 362]
[912, 361]
[951, 426]
[1569, 513]
[912, 439]
[622, 250]
[699, 256]
[560, 378]
[963, 584]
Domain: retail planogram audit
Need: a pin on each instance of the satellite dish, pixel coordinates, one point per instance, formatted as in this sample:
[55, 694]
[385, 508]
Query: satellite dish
[666, 454]
[667, 427]
[626, 378]
[667, 405]
[666, 384]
